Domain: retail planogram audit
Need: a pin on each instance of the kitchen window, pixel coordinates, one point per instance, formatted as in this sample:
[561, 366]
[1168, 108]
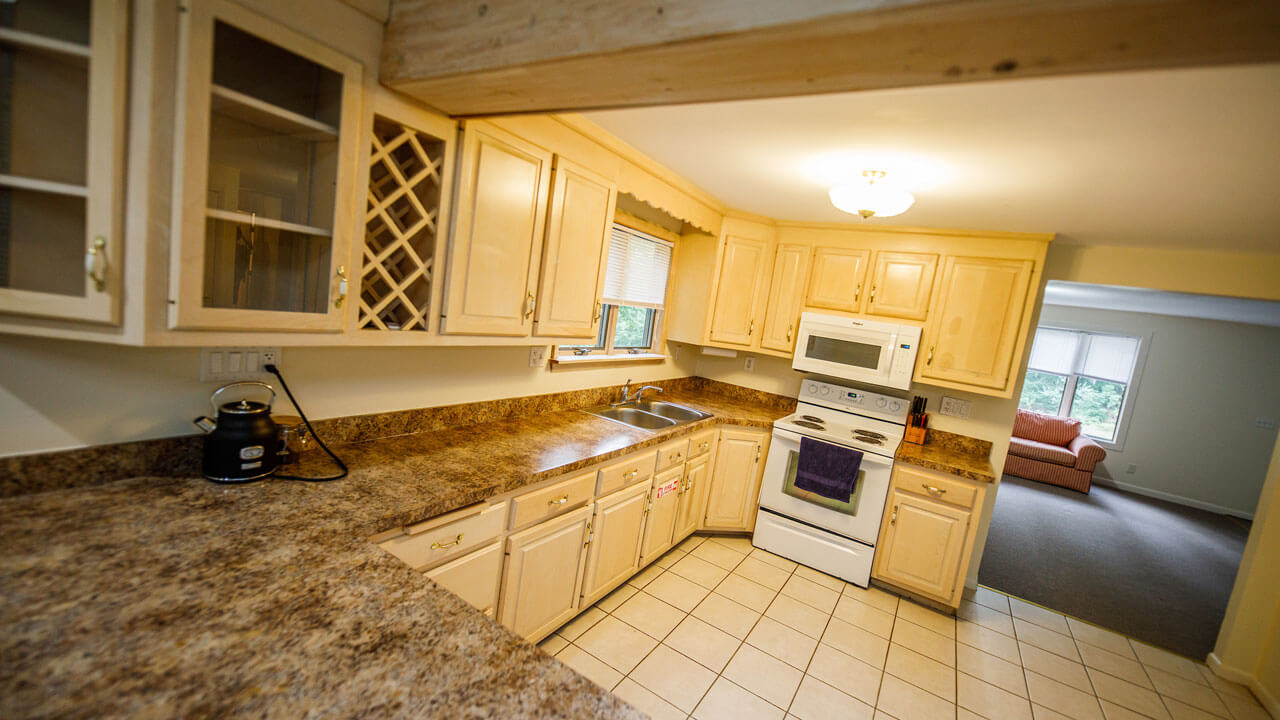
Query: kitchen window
[1089, 376]
[635, 291]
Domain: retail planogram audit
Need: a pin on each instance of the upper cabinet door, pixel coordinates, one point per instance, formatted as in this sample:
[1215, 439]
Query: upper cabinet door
[838, 279]
[973, 330]
[786, 292]
[744, 262]
[497, 234]
[900, 284]
[265, 159]
[61, 149]
[575, 252]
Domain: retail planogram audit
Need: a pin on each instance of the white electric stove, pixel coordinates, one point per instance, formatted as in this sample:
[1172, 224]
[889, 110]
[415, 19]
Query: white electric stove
[834, 536]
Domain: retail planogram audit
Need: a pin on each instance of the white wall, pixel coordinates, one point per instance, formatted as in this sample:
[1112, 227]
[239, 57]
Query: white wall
[58, 394]
[1192, 433]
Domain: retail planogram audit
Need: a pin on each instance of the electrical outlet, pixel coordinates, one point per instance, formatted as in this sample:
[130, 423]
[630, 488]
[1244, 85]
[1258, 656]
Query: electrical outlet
[1131, 469]
[749, 364]
[955, 407]
[230, 364]
[1265, 423]
[537, 356]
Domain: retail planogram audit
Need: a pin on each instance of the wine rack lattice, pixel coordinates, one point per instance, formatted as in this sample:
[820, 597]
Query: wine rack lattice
[401, 223]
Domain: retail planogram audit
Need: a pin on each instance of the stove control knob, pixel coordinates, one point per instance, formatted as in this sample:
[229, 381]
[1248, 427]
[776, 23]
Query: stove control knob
[826, 390]
[813, 389]
[895, 406]
[881, 403]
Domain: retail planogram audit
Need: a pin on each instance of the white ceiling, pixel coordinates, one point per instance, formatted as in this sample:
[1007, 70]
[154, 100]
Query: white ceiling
[1178, 158]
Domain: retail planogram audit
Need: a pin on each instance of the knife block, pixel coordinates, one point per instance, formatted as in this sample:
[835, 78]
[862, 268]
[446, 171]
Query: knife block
[916, 434]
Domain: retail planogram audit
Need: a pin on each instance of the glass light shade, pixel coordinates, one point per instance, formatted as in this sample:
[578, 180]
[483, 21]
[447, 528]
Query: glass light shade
[871, 199]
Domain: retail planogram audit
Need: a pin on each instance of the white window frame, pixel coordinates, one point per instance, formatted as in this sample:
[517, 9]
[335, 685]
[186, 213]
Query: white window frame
[1131, 389]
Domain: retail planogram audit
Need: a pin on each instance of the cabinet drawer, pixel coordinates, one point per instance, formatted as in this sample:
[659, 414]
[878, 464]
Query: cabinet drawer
[672, 454]
[431, 542]
[701, 443]
[934, 485]
[552, 500]
[632, 469]
[473, 577]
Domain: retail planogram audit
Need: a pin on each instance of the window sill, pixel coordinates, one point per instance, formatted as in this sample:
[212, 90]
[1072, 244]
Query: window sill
[586, 360]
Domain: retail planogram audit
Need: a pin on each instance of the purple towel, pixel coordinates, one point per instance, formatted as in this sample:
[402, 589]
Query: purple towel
[827, 470]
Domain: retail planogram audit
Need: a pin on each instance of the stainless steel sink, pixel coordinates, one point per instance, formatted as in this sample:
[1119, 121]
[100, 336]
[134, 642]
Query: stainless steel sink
[649, 414]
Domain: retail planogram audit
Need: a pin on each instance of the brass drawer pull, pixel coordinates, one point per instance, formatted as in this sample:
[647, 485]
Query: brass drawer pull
[704, 445]
[677, 456]
[630, 474]
[559, 501]
[933, 490]
[441, 546]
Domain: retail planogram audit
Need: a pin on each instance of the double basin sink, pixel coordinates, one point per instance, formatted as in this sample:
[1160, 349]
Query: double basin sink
[649, 414]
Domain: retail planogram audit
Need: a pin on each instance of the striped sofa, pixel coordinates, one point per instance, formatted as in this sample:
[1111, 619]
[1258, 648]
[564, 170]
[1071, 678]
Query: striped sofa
[1052, 450]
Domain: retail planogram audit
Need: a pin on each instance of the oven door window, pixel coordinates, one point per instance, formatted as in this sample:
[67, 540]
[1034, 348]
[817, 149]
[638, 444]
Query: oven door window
[849, 507]
[844, 352]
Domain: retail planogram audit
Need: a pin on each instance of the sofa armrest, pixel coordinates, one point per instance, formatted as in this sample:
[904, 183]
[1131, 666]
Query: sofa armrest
[1088, 453]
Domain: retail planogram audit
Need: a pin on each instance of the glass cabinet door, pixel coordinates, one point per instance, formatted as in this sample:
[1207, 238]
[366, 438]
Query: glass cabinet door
[265, 212]
[61, 121]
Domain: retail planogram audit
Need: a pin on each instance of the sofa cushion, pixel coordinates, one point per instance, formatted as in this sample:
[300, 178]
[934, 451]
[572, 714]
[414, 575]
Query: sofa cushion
[1041, 451]
[1045, 428]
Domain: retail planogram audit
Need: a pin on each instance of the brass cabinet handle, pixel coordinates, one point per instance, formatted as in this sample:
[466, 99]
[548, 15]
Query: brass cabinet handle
[757, 453]
[595, 314]
[933, 489]
[857, 292]
[704, 445]
[528, 305]
[342, 286]
[630, 474]
[788, 333]
[441, 546]
[677, 456]
[873, 294]
[893, 519]
[95, 263]
[559, 501]
[751, 326]
[929, 360]
[590, 535]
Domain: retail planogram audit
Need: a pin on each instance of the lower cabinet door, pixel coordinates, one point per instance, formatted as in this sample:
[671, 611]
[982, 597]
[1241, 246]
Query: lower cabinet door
[613, 550]
[660, 521]
[693, 496]
[544, 574]
[921, 545]
[474, 578]
[735, 480]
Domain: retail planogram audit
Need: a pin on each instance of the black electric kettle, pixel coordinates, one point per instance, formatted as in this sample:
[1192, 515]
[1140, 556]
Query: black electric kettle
[243, 444]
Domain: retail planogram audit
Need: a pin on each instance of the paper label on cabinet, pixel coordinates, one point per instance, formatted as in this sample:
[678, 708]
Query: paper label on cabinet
[668, 488]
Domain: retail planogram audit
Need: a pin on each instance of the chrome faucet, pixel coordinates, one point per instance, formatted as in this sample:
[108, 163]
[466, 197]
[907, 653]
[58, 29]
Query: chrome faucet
[626, 392]
[640, 393]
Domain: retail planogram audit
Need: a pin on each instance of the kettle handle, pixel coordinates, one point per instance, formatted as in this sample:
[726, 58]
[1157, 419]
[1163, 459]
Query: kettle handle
[213, 399]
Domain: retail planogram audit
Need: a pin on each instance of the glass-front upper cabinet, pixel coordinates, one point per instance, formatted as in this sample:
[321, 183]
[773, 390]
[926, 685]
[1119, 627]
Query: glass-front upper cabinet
[264, 176]
[62, 70]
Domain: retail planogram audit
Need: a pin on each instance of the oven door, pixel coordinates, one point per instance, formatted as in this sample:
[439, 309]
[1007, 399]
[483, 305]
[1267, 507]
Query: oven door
[857, 518]
[846, 353]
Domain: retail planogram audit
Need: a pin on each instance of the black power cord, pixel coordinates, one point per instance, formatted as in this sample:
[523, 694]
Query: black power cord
[271, 368]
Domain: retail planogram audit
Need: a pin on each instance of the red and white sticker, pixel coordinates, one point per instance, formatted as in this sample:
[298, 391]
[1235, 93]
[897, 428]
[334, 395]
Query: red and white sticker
[668, 488]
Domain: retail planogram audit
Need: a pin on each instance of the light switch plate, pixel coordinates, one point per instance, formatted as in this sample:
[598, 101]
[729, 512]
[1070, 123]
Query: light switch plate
[955, 407]
[749, 364]
[537, 356]
[230, 364]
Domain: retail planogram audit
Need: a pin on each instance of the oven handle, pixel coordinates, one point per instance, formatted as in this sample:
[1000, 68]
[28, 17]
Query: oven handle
[788, 440]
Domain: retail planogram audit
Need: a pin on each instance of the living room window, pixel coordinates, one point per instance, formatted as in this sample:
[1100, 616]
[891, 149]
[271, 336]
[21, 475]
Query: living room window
[1089, 376]
[635, 291]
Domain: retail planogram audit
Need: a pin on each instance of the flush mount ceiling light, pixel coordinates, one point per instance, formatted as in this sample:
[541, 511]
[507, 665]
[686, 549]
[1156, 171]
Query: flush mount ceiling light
[871, 197]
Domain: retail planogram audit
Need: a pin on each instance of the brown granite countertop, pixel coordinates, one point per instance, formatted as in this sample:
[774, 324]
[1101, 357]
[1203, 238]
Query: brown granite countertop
[177, 597]
[947, 452]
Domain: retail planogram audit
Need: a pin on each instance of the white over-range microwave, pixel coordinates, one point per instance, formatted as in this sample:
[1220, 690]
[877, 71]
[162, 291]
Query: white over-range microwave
[866, 351]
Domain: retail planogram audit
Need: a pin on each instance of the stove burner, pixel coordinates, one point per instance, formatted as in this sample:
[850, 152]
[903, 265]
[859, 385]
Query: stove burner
[868, 434]
[812, 418]
[811, 425]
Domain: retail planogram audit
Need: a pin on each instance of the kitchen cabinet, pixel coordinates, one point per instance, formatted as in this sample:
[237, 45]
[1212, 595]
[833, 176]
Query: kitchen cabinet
[61, 147]
[265, 162]
[786, 293]
[613, 553]
[735, 479]
[575, 252]
[543, 578]
[660, 520]
[837, 279]
[500, 215]
[972, 336]
[474, 578]
[693, 497]
[741, 285]
[901, 283]
[927, 533]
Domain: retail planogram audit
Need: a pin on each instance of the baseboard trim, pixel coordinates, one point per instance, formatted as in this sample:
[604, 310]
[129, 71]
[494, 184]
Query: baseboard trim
[1180, 500]
[1269, 702]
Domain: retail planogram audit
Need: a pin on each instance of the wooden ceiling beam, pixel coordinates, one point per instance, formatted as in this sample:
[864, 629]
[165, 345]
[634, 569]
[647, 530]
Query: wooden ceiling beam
[472, 58]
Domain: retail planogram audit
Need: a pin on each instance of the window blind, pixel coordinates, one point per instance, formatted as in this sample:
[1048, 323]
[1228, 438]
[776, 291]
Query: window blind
[1064, 352]
[1054, 350]
[1110, 357]
[637, 270]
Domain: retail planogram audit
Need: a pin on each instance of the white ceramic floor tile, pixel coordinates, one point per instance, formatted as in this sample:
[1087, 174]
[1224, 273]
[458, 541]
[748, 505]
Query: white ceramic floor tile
[816, 700]
[647, 701]
[691, 542]
[759, 571]
[696, 639]
[673, 677]
[1093, 635]
[727, 701]
[1040, 712]
[677, 591]
[928, 619]
[873, 596]
[698, 570]
[864, 616]
[990, 701]
[589, 667]
[1113, 711]
[1164, 660]
[821, 578]
[788, 645]
[925, 641]
[1055, 666]
[1113, 664]
[986, 617]
[645, 576]
[1038, 615]
[743, 591]
[991, 669]
[905, 701]
[718, 554]
[610, 602]
[727, 615]
[619, 645]
[1183, 711]
[1126, 694]
[811, 593]
[846, 673]
[552, 644]
[649, 615]
[775, 560]
[739, 544]
[1046, 639]
[992, 599]
[1225, 687]
[671, 558]
[922, 672]
[853, 640]
[1062, 699]
[1243, 707]
[988, 641]
[764, 675]
[575, 627]
[797, 615]
[1187, 691]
